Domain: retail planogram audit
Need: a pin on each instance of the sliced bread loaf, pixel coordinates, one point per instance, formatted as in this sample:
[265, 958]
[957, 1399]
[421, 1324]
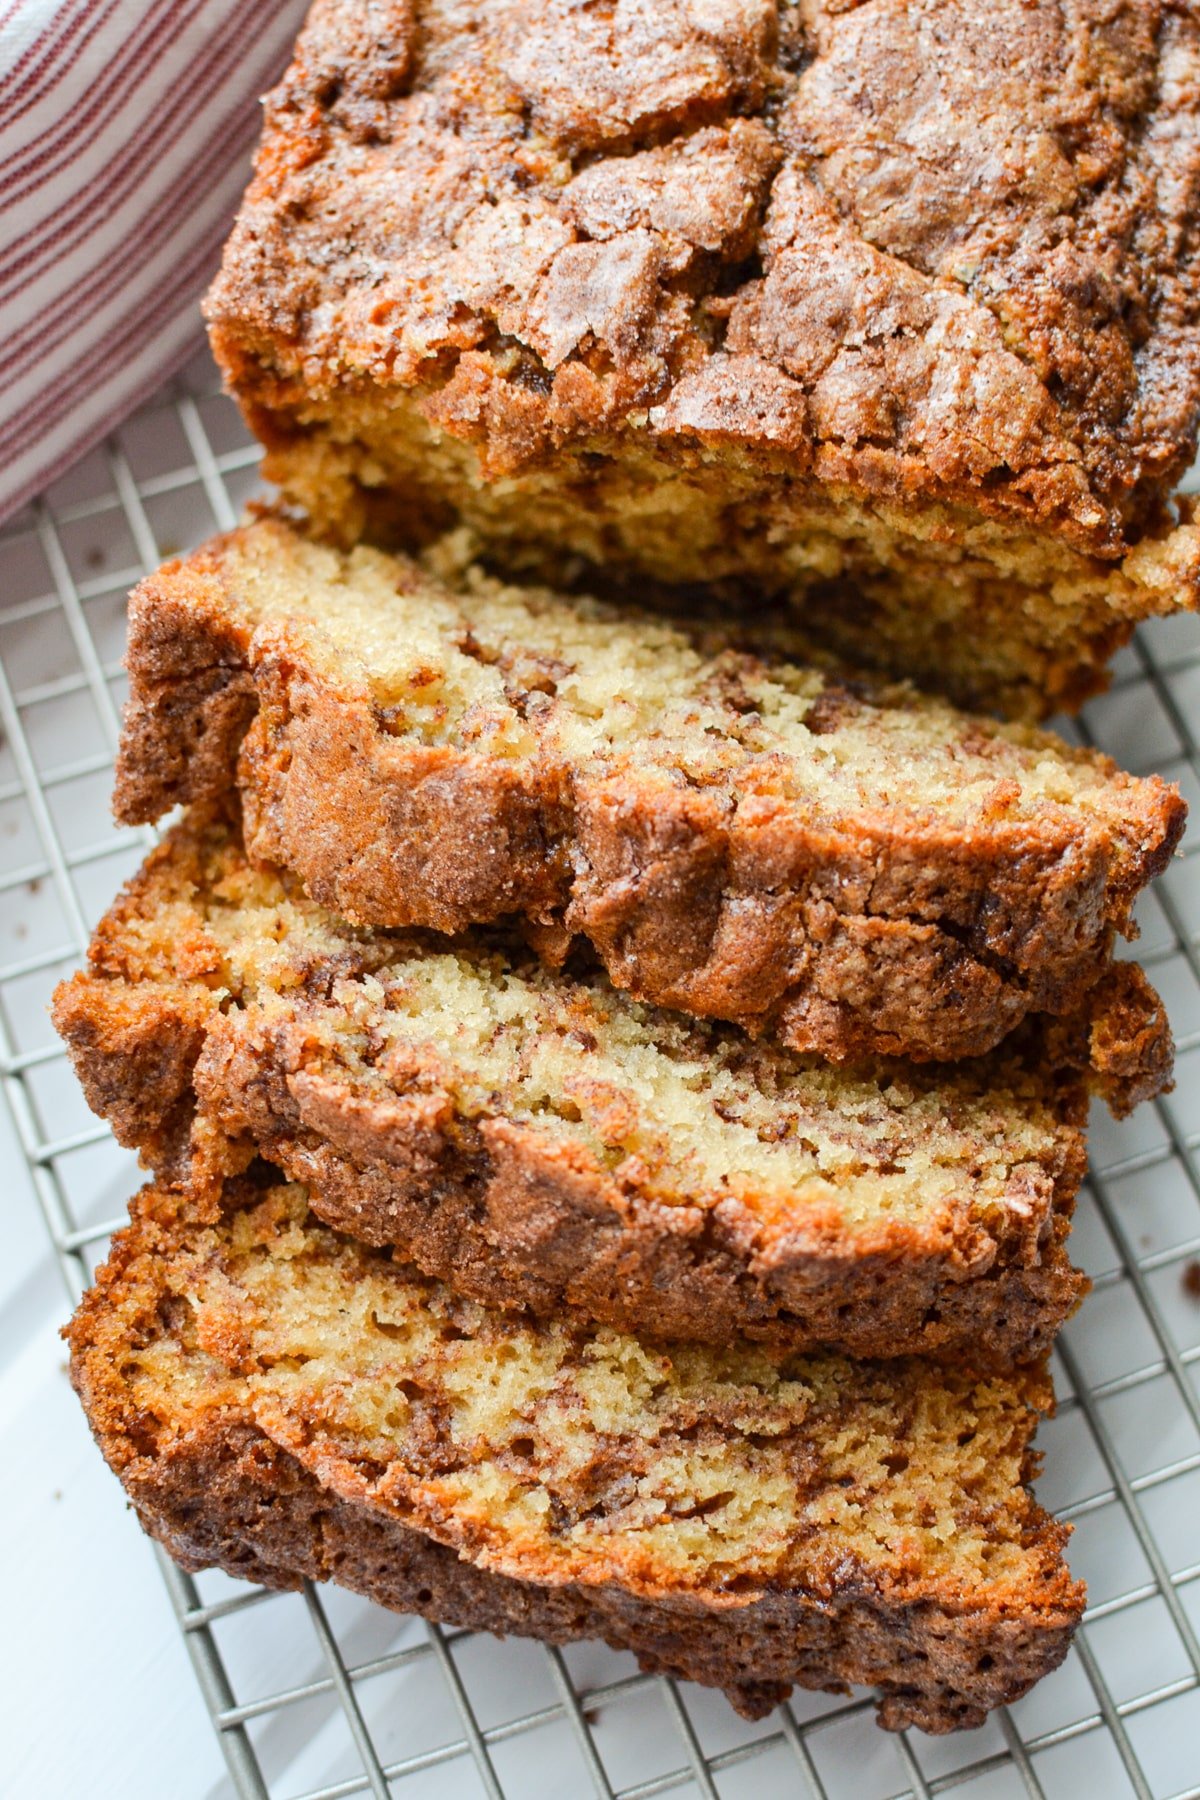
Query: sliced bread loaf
[541, 1140]
[855, 872]
[282, 1403]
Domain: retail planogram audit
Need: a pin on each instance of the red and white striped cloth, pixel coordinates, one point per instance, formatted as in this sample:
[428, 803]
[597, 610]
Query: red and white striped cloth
[125, 130]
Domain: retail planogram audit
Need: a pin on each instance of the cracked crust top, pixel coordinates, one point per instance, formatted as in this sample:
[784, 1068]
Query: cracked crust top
[934, 250]
[851, 869]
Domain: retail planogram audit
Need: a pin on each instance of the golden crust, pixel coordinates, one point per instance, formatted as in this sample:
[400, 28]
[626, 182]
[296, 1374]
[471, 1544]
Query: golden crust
[848, 930]
[277, 1492]
[931, 265]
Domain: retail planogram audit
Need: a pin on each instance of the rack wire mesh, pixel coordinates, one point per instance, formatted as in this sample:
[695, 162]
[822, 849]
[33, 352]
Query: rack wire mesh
[321, 1695]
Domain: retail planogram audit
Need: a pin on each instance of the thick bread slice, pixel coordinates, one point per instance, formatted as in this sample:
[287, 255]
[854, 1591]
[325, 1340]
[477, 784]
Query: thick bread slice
[281, 1402]
[758, 843]
[540, 1140]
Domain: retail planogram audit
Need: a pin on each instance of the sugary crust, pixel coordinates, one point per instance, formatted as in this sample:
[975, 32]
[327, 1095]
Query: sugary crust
[974, 222]
[934, 261]
[868, 934]
[216, 1491]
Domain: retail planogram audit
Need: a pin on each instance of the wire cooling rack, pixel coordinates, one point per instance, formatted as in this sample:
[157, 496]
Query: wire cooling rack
[321, 1695]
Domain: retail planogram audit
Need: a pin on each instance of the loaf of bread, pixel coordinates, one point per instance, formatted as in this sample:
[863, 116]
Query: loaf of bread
[541, 1141]
[854, 872]
[888, 308]
[281, 1402]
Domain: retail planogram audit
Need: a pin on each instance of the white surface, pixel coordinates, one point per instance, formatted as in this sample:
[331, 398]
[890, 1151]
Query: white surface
[96, 1694]
[97, 1697]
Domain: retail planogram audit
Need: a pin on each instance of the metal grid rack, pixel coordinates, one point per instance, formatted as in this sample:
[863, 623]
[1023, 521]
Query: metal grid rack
[322, 1695]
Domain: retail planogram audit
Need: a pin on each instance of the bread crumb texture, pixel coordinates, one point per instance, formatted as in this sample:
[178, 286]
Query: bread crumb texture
[542, 1139]
[720, 1480]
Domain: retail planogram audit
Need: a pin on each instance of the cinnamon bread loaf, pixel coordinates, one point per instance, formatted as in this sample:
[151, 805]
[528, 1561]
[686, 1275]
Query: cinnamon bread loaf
[854, 871]
[283, 1403]
[542, 1141]
[890, 309]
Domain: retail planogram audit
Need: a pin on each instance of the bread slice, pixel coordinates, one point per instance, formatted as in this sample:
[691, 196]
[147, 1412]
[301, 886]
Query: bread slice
[540, 1140]
[889, 309]
[855, 873]
[284, 1403]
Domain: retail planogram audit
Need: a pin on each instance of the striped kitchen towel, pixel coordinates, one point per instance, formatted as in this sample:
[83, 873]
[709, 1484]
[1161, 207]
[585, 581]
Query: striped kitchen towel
[125, 130]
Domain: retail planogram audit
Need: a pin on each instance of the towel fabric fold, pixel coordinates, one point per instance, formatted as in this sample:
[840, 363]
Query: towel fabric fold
[125, 130]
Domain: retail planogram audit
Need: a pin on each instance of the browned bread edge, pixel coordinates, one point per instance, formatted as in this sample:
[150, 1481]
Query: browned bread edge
[863, 938]
[225, 1495]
